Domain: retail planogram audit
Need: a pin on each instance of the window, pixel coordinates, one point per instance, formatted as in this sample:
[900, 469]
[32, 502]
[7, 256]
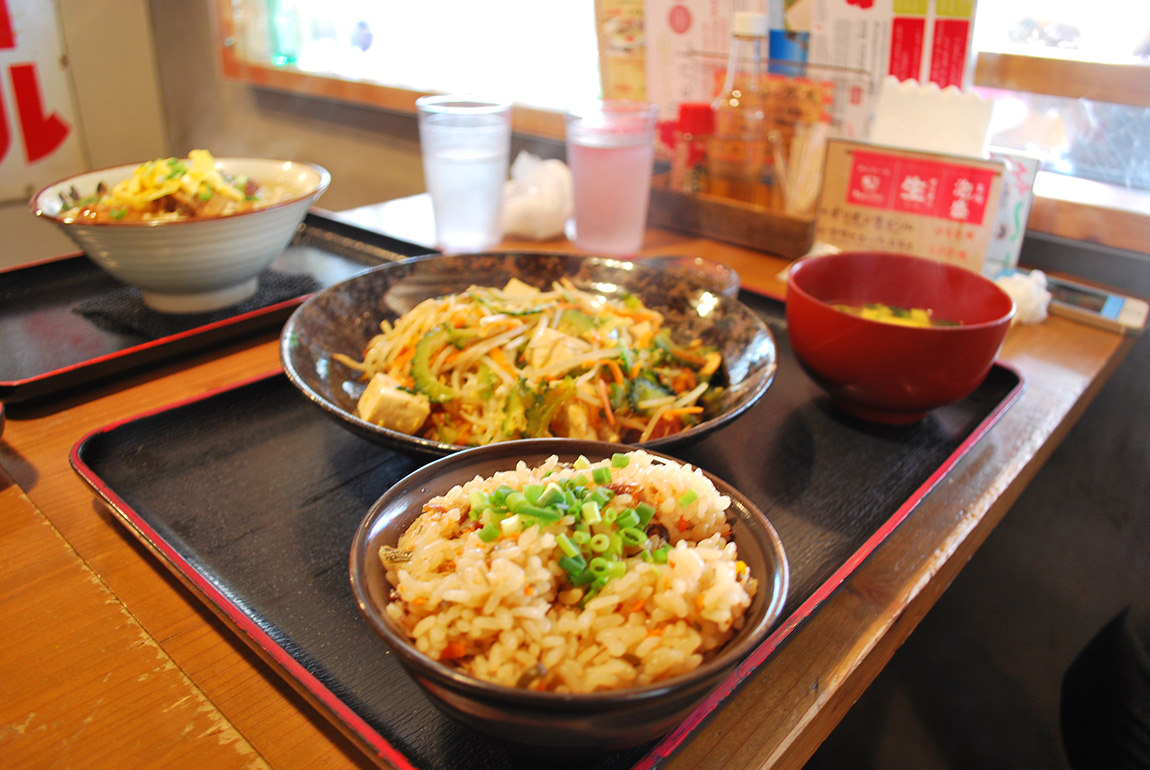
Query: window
[1035, 59]
[1039, 59]
[378, 52]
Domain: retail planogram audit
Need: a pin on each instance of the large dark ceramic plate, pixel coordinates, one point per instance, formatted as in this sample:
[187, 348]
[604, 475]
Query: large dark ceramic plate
[345, 316]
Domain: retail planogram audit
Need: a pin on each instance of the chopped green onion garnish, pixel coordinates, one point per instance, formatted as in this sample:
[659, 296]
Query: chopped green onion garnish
[619, 460]
[627, 519]
[533, 492]
[118, 213]
[545, 514]
[616, 569]
[514, 500]
[633, 538]
[489, 532]
[566, 546]
[582, 462]
[552, 494]
[616, 546]
[590, 511]
[583, 578]
[479, 502]
[601, 475]
[645, 511]
[609, 515]
[600, 543]
[602, 495]
[581, 536]
[660, 554]
[688, 497]
[598, 566]
[573, 565]
[205, 193]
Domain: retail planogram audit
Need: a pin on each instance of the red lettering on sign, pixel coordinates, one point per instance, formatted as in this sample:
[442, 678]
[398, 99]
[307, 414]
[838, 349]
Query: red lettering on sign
[5, 135]
[43, 134]
[7, 36]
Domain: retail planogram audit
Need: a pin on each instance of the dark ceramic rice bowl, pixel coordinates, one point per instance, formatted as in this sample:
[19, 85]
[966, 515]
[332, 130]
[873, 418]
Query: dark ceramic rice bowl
[558, 724]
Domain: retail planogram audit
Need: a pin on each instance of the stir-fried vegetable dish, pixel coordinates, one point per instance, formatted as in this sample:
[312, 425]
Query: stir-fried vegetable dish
[489, 365]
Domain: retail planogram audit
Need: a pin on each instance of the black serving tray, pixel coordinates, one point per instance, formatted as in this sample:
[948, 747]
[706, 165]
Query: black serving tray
[47, 347]
[251, 495]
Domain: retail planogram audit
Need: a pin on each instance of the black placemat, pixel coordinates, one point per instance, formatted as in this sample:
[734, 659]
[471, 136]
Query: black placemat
[123, 310]
[253, 494]
[47, 347]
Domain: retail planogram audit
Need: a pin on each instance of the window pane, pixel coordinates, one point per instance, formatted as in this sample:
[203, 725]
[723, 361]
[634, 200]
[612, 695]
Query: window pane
[1106, 31]
[538, 54]
[1079, 137]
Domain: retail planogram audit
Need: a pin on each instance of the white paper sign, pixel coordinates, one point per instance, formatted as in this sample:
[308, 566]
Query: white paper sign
[39, 135]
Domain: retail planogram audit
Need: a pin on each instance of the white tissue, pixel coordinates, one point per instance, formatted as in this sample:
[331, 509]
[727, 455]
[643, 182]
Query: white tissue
[931, 119]
[1028, 290]
[537, 200]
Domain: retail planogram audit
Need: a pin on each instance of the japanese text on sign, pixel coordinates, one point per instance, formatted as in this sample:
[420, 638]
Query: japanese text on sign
[919, 186]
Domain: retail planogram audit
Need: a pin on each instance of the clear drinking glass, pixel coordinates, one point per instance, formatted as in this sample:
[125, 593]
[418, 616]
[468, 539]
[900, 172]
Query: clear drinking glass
[466, 146]
[611, 150]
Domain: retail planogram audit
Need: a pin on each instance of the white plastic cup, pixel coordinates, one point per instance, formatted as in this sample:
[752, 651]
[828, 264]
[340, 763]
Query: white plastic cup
[611, 150]
[466, 146]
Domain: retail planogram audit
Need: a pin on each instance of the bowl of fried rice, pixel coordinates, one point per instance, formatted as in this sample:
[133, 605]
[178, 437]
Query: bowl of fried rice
[192, 234]
[566, 595]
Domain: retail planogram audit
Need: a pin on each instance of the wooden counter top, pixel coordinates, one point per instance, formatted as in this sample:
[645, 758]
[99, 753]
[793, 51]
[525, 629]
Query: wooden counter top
[109, 662]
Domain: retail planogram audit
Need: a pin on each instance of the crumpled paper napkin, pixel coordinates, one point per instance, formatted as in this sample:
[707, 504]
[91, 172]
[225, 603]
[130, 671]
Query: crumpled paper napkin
[1028, 290]
[537, 200]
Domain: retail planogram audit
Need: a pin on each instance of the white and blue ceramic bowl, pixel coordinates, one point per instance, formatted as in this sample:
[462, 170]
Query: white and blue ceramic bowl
[194, 265]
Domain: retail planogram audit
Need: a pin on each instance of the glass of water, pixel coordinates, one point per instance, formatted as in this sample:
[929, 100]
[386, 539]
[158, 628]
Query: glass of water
[466, 145]
[611, 149]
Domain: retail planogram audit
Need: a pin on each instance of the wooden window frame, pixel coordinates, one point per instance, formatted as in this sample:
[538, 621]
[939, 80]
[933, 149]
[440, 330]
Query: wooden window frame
[1065, 206]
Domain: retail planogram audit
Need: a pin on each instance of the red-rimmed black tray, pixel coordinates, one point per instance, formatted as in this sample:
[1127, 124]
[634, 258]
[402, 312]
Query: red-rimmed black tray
[48, 346]
[251, 496]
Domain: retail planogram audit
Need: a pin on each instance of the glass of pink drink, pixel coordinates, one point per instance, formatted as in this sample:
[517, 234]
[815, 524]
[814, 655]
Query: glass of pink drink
[610, 150]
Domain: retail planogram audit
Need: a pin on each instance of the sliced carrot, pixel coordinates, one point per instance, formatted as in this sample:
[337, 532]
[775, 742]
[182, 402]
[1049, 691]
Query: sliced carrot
[616, 372]
[404, 357]
[454, 650]
[501, 361]
[638, 315]
[607, 411]
[684, 381]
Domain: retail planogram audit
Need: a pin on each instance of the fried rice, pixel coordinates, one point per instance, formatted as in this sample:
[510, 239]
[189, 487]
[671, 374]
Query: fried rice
[492, 594]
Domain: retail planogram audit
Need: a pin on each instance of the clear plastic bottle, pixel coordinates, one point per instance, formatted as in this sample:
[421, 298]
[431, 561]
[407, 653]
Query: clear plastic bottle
[735, 157]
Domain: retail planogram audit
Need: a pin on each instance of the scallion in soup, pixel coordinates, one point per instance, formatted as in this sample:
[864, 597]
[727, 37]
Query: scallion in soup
[900, 316]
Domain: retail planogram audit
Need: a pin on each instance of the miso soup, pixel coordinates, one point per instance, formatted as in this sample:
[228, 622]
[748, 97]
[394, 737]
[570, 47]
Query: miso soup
[901, 316]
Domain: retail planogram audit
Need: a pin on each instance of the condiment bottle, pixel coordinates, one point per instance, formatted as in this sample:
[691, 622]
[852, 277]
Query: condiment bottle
[689, 161]
[735, 152]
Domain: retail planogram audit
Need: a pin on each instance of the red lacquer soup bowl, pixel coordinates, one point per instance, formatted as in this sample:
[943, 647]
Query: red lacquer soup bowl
[884, 372]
